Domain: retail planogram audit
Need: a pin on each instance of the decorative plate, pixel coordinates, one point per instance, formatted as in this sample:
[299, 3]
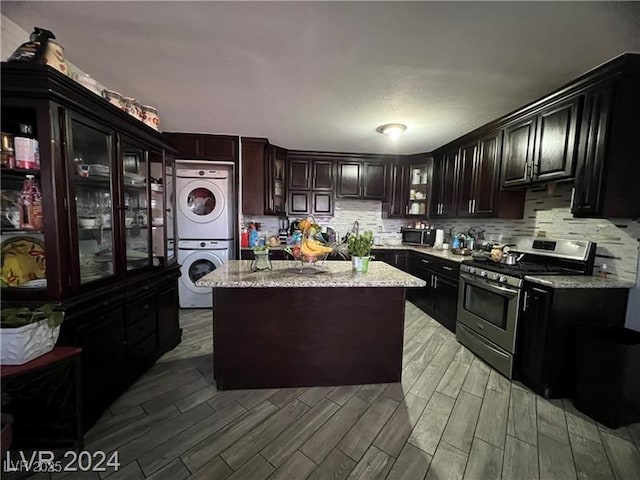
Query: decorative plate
[23, 260]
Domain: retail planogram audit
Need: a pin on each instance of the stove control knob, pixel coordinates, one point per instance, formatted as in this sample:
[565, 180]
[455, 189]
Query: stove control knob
[472, 270]
[502, 279]
[483, 273]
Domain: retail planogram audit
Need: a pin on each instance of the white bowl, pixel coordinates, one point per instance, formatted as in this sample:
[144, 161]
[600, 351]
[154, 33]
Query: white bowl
[87, 222]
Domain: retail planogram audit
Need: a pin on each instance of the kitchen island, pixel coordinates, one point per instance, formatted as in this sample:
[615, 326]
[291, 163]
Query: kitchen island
[283, 328]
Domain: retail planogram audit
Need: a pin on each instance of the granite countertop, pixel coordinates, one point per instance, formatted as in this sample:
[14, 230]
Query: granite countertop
[444, 254]
[237, 274]
[578, 281]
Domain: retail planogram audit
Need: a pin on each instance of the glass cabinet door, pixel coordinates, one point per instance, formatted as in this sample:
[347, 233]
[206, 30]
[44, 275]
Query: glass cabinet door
[418, 190]
[157, 183]
[91, 173]
[21, 205]
[170, 199]
[136, 209]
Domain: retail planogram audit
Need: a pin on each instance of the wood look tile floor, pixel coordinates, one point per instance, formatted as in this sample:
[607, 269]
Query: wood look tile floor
[452, 417]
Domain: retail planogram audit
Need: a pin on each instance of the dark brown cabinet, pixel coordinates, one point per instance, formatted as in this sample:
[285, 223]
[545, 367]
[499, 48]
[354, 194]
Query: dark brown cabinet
[299, 174]
[548, 318]
[254, 165]
[195, 146]
[607, 169]
[311, 185]
[518, 152]
[542, 147]
[439, 298]
[395, 258]
[397, 199]
[479, 176]
[445, 169]
[102, 361]
[263, 177]
[361, 179]
[106, 181]
[275, 181]
[349, 179]
[322, 178]
[374, 179]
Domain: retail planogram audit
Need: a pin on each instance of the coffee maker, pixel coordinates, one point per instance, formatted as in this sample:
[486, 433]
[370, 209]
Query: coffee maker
[283, 231]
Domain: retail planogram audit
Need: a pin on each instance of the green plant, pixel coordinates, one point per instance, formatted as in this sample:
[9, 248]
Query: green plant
[360, 245]
[14, 317]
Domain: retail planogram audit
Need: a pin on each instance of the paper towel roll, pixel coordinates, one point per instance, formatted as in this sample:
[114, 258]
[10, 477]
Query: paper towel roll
[439, 238]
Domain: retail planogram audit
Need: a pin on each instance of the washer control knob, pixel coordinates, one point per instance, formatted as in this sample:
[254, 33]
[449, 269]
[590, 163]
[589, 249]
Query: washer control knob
[201, 173]
[483, 273]
[203, 244]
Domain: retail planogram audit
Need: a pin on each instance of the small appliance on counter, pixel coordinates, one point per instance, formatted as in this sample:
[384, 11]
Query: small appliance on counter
[283, 231]
[419, 236]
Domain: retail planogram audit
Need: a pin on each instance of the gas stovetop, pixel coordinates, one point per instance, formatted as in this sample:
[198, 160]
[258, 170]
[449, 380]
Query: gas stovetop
[538, 257]
[520, 269]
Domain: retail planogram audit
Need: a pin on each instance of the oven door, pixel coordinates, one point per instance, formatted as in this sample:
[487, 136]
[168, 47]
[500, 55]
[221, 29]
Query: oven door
[489, 309]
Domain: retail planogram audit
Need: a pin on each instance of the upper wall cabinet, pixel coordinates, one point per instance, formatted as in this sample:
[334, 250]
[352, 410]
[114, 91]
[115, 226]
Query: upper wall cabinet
[195, 146]
[362, 179]
[445, 171]
[263, 177]
[542, 147]
[608, 170]
[310, 184]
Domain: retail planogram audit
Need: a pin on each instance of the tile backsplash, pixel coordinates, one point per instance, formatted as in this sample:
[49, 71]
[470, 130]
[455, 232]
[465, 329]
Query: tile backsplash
[547, 212]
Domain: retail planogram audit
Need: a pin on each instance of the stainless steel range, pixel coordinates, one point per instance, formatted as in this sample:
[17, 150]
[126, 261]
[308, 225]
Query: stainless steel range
[490, 295]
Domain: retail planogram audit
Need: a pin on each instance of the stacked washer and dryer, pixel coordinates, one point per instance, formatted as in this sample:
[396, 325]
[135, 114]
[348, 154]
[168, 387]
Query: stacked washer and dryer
[205, 213]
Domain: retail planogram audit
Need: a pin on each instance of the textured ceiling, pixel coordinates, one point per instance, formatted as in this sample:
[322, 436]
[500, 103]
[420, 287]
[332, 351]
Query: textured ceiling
[324, 75]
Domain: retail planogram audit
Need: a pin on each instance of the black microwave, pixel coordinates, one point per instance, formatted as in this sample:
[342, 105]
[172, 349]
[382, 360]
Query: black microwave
[419, 236]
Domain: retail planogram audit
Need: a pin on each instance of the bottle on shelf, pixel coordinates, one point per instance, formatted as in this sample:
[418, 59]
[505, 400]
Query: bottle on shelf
[8, 151]
[26, 148]
[30, 203]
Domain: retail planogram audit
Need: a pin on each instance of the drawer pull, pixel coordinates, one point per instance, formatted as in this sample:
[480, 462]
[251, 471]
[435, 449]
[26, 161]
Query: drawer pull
[447, 268]
[425, 261]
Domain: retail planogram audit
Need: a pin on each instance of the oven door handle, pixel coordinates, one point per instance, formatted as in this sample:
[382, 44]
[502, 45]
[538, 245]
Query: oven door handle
[484, 284]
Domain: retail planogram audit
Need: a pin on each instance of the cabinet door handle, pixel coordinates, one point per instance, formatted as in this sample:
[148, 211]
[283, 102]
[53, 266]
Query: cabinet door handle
[473, 206]
[432, 277]
[469, 206]
[447, 268]
[526, 301]
[435, 282]
[406, 209]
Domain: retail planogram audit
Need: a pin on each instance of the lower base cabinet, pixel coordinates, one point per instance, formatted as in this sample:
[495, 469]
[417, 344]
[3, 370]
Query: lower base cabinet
[395, 258]
[546, 343]
[439, 298]
[122, 331]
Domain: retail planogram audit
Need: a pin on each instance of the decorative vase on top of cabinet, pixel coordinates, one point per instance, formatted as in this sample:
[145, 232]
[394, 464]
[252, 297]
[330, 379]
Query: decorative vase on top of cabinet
[101, 247]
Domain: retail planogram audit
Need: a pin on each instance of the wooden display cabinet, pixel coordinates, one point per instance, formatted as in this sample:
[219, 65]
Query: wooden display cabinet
[106, 241]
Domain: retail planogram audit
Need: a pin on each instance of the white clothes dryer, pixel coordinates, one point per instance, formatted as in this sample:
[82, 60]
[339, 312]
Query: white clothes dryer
[204, 202]
[197, 258]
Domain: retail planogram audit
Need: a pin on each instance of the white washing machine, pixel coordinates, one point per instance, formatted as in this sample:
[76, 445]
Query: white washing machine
[197, 258]
[204, 202]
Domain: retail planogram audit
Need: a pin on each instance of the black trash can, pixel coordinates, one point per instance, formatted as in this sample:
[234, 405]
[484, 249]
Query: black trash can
[608, 375]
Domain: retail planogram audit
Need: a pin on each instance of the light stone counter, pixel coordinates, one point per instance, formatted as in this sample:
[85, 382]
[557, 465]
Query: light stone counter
[444, 254]
[237, 274]
[577, 281]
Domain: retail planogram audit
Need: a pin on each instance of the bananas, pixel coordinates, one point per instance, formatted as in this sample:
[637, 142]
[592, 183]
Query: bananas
[312, 248]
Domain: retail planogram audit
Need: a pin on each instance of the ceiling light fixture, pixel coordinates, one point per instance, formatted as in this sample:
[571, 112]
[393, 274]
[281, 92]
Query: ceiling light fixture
[392, 130]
